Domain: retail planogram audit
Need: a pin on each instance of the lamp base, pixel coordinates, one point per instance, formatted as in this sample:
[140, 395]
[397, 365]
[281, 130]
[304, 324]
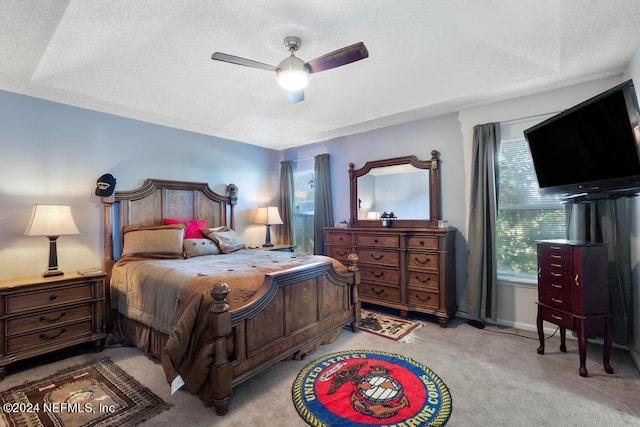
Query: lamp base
[268, 245]
[50, 273]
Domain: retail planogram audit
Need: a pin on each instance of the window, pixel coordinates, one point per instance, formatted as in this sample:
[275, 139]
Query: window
[524, 216]
[303, 185]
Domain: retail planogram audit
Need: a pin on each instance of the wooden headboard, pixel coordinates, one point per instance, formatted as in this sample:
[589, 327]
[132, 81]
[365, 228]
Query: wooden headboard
[157, 199]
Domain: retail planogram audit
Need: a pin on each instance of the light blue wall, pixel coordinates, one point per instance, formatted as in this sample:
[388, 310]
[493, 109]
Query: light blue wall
[419, 138]
[54, 153]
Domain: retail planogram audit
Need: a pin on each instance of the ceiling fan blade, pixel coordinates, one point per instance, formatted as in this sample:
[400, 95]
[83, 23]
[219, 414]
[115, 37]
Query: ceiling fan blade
[219, 56]
[340, 57]
[296, 96]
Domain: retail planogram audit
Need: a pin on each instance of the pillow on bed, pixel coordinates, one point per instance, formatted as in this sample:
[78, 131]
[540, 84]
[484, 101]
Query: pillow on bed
[193, 226]
[199, 247]
[156, 241]
[226, 239]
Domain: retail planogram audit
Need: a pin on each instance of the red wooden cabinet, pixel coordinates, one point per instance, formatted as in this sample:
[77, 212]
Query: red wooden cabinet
[573, 293]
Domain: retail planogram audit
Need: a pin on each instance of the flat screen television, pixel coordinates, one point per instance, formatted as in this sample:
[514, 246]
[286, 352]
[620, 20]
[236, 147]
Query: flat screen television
[590, 151]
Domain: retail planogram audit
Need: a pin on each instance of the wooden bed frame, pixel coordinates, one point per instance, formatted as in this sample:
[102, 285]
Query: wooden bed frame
[300, 309]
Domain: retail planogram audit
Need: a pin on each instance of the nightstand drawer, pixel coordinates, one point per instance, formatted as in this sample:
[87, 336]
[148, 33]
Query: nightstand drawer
[17, 325]
[423, 260]
[48, 336]
[49, 297]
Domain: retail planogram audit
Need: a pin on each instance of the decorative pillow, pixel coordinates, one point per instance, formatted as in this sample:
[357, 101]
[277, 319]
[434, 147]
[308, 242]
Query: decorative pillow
[227, 240]
[198, 247]
[193, 226]
[156, 241]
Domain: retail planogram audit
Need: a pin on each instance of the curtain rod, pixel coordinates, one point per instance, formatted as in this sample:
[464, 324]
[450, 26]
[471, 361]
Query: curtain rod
[306, 158]
[531, 117]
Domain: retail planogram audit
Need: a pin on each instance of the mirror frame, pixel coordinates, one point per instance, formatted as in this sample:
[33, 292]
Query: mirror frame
[434, 190]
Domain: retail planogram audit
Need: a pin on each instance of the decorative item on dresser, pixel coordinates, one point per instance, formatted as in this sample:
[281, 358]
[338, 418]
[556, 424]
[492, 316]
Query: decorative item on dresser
[573, 293]
[407, 263]
[41, 315]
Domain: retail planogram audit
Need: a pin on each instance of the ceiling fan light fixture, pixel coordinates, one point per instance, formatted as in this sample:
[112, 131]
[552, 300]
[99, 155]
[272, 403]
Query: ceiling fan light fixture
[292, 74]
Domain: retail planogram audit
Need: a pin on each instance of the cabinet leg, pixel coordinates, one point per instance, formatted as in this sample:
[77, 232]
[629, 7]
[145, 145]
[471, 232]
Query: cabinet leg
[606, 351]
[540, 332]
[563, 339]
[3, 373]
[404, 314]
[98, 346]
[582, 346]
[443, 322]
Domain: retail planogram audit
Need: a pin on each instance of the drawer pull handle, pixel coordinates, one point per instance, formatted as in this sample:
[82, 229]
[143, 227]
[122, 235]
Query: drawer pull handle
[556, 317]
[45, 337]
[375, 241]
[377, 274]
[380, 292]
[555, 248]
[577, 280]
[341, 253]
[44, 319]
[557, 301]
[553, 285]
[556, 256]
[377, 258]
[426, 261]
[421, 242]
[428, 279]
[53, 297]
[556, 274]
[423, 299]
[556, 265]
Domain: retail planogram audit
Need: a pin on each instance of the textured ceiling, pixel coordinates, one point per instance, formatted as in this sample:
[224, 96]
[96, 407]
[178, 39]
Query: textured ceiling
[150, 60]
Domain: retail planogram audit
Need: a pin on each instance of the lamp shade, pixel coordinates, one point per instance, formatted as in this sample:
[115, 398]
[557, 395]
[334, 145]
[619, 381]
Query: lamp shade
[51, 220]
[268, 215]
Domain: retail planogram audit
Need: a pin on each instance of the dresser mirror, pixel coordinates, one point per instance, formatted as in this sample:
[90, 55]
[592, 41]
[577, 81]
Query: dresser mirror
[405, 186]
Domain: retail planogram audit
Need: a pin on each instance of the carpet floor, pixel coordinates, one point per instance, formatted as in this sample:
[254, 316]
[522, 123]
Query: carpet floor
[494, 375]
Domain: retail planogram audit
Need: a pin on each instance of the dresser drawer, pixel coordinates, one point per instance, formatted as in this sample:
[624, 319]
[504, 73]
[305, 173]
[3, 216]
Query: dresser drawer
[557, 317]
[422, 242]
[339, 252]
[388, 258]
[423, 260]
[422, 279]
[384, 240]
[17, 325]
[339, 237]
[46, 298]
[46, 337]
[424, 298]
[381, 292]
[385, 275]
[556, 276]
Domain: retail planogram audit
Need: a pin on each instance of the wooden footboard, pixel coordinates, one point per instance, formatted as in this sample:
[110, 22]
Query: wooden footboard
[302, 309]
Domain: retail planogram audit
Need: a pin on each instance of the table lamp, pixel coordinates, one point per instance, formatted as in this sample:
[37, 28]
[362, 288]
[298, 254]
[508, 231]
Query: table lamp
[51, 221]
[268, 215]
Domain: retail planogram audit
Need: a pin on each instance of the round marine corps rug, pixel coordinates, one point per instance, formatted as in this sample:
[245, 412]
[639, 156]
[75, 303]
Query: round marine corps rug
[370, 388]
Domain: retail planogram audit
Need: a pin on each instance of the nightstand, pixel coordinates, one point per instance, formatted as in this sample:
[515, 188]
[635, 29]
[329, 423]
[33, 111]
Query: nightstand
[41, 315]
[277, 247]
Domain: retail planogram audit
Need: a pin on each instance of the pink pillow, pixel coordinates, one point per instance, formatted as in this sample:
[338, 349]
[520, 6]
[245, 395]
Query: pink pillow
[193, 226]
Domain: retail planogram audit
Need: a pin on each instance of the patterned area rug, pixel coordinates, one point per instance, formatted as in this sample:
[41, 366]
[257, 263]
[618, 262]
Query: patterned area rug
[386, 326]
[95, 394]
[361, 388]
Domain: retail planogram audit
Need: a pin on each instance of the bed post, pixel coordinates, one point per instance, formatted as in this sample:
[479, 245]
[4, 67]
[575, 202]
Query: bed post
[107, 258]
[221, 371]
[232, 192]
[355, 298]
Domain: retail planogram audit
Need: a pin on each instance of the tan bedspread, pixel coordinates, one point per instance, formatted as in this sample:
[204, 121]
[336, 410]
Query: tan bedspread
[172, 296]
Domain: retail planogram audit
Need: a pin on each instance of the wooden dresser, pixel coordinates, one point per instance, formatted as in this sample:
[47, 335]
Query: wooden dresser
[573, 293]
[41, 315]
[410, 269]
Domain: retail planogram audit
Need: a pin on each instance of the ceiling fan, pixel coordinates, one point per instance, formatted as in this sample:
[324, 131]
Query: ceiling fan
[292, 73]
